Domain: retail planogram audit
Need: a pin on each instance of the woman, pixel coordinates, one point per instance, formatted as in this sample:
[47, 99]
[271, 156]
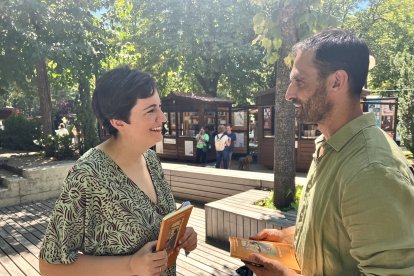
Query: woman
[107, 219]
[202, 146]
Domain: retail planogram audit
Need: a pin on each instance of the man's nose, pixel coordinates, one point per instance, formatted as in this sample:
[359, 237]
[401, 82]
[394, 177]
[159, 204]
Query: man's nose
[290, 94]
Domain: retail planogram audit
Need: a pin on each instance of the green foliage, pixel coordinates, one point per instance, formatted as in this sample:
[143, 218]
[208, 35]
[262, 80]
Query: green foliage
[85, 120]
[268, 202]
[410, 156]
[267, 23]
[403, 64]
[386, 26]
[64, 34]
[60, 147]
[196, 45]
[19, 133]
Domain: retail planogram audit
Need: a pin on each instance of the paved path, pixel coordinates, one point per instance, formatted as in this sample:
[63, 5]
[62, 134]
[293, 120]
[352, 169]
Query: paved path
[22, 228]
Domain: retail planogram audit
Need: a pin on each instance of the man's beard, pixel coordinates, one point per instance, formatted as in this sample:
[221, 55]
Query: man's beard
[315, 109]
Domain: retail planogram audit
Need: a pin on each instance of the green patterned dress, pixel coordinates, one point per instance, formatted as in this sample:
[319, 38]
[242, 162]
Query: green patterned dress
[102, 212]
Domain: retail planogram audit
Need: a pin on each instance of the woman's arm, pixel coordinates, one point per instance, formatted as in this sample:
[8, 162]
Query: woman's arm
[142, 263]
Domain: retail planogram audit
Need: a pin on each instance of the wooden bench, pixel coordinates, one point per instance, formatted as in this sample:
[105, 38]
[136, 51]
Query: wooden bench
[204, 185]
[238, 216]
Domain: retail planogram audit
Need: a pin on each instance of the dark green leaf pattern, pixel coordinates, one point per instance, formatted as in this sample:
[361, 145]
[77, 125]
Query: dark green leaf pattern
[102, 212]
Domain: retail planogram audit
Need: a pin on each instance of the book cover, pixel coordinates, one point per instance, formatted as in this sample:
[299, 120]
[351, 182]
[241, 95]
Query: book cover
[172, 229]
[284, 253]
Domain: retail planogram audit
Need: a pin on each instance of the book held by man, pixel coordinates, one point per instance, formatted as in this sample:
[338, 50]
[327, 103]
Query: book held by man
[172, 229]
[282, 252]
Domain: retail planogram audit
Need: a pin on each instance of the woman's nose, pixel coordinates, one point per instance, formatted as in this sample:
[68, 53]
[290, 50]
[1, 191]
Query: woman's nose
[162, 117]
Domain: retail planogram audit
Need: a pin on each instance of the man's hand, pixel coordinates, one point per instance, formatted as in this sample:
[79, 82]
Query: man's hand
[275, 235]
[189, 241]
[270, 267]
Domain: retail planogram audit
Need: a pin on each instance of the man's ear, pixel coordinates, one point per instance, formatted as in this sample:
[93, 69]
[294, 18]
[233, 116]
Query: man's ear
[339, 80]
[116, 123]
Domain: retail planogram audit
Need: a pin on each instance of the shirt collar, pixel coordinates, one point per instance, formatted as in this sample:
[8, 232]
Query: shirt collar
[348, 131]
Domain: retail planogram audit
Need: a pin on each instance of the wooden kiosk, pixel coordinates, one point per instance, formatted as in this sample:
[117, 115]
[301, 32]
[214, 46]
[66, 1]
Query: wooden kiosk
[385, 109]
[305, 134]
[186, 113]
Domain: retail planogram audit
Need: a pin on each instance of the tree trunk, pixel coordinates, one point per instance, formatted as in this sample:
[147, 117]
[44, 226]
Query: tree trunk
[86, 121]
[209, 84]
[44, 98]
[284, 145]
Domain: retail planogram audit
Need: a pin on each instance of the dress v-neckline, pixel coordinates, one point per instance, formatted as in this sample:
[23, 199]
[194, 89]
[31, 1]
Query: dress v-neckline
[130, 181]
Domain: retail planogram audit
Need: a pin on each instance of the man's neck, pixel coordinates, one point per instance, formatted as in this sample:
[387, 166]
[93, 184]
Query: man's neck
[339, 117]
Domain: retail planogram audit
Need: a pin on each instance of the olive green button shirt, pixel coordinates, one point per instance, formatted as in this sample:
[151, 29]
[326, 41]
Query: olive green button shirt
[356, 214]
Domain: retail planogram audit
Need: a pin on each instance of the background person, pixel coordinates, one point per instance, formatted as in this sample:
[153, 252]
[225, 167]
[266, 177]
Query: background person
[107, 218]
[355, 214]
[222, 150]
[232, 140]
[62, 131]
[202, 146]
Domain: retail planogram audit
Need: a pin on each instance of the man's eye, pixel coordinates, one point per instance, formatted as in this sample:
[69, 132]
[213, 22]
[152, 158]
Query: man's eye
[298, 82]
[151, 110]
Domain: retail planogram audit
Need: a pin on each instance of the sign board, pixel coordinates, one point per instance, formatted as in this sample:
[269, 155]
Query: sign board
[171, 141]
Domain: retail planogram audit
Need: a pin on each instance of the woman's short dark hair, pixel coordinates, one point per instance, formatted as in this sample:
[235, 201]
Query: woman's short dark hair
[116, 93]
[337, 49]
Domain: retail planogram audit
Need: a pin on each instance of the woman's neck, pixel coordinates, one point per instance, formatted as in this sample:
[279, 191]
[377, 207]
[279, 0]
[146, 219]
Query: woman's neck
[121, 151]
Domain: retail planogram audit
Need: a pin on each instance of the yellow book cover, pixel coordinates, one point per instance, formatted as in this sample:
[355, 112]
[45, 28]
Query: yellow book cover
[172, 229]
[284, 253]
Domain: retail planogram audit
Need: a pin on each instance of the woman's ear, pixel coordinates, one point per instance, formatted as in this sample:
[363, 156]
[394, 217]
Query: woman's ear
[118, 124]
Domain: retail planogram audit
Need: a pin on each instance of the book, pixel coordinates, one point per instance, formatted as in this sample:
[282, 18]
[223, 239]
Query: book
[282, 252]
[172, 229]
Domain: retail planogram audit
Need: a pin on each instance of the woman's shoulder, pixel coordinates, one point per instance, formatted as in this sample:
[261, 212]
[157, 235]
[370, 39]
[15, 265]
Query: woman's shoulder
[151, 154]
[90, 157]
[90, 162]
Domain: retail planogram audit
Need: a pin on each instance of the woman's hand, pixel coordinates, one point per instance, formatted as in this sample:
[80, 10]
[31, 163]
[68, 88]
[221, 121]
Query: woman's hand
[147, 262]
[189, 241]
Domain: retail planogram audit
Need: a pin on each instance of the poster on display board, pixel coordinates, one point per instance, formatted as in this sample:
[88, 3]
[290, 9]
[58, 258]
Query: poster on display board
[239, 118]
[387, 116]
[267, 114]
[159, 147]
[188, 148]
[239, 140]
[376, 109]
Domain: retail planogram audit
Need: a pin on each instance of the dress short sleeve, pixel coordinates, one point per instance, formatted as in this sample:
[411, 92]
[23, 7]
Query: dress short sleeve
[65, 233]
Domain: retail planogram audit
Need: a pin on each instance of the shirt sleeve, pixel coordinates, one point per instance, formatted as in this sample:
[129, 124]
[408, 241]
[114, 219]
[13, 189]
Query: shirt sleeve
[65, 233]
[378, 211]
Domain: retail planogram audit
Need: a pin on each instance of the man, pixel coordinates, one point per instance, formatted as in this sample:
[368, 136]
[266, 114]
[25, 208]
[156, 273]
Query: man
[232, 140]
[356, 212]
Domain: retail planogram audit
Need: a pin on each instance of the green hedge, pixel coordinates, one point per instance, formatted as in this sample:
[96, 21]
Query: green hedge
[20, 133]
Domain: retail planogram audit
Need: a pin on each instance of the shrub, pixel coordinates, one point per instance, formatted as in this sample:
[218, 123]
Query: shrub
[268, 202]
[19, 133]
[60, 147]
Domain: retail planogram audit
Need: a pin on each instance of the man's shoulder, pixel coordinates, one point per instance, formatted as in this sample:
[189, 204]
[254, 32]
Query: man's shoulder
[371, 150]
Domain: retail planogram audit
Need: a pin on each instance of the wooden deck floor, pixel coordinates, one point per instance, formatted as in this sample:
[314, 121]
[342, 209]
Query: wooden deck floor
[22, 228]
